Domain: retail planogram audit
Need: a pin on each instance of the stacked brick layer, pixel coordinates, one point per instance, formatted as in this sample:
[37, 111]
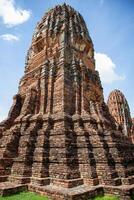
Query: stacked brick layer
[119, 109]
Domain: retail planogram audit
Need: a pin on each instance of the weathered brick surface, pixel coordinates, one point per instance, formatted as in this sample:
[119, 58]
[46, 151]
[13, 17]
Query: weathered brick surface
[132, 131]
[59, 131]
[119, 109]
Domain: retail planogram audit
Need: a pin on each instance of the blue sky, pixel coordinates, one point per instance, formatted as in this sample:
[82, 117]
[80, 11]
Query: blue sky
[111, 27]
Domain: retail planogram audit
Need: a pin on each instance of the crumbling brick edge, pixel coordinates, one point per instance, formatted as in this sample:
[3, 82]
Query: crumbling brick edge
[124, 193]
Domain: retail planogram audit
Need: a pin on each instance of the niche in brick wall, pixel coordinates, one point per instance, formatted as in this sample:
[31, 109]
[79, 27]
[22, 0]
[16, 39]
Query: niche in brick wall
[39, 45]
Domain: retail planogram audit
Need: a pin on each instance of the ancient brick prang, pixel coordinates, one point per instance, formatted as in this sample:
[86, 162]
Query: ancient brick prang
[132, 131]
[59, 131]
[119, 109]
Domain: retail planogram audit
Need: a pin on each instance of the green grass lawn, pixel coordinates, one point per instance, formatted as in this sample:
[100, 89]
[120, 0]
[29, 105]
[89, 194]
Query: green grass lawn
[107, 197]
[34, 196]
[132, 197]
[24, 196]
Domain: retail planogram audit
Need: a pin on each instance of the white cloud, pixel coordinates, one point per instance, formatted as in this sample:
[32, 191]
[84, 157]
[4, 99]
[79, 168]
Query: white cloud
[9, 37]
[12, 15]
[106, 68]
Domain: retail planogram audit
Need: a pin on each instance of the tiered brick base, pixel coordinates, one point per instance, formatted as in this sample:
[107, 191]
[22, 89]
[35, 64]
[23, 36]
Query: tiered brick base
[90, 159]
[82, 192]
[8, 188]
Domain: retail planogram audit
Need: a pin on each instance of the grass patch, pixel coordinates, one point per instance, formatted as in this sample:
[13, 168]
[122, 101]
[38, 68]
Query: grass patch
[34, 196]
[132, 197]
[107, 197]
[24, 196]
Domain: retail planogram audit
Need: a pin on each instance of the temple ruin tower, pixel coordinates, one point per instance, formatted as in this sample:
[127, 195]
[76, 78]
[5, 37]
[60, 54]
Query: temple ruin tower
[59, 133]
[132, 131]
[119, 109]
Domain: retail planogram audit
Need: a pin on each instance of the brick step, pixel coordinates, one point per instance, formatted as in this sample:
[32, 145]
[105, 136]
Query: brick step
[3, 179]
[8, 151]
[8, 188]
[109, 181]
[117, 181]
[130, 171]
[40, 181]
[125, 192]
[57, 192]
[22, 165]
[4, 172]
[19, 180]
[128, 181]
